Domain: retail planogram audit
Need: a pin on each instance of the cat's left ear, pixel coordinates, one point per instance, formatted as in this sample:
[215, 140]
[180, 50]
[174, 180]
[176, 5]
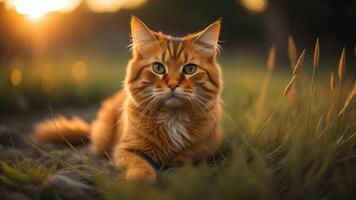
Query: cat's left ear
[143, 38]
[209, 37]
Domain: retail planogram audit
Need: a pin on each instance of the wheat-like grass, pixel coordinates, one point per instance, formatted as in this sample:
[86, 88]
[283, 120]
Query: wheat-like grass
[289, 85]
[298, 65]
[341, 70]
[293, 97]
[286, 90]
[315, 64]
[333, 96]
[332, 83]
[271, 60]
[341, 67]
[348, 100]
[316, 53]
[355, 55]
[259, 112]
[292, 51]
[341, 74]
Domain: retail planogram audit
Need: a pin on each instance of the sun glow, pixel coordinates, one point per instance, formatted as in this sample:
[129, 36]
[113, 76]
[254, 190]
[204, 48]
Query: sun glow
[113, 5]
[256, 6]
[16, 77]
[36, 9]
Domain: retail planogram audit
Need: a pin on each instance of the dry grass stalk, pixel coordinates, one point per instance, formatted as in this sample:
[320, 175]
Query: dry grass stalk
[315, 64]
[341, 66]
[286, 91]
[341, 74]
[299, 63]
[295, 72]
[294, 90]
[289, 86]
[259, 112]
[329, 114]
[316, 53]
[355, 54]
[271, 60]
[292, 51]
[348, 100]
[332, 83]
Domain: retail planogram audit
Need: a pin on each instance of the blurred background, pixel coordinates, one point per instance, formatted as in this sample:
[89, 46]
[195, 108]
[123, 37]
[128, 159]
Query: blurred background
[75, 51]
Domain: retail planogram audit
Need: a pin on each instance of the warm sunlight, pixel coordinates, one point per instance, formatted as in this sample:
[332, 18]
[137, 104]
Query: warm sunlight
[113, 5]
[16, 77]
[256, 6]
[36, 9]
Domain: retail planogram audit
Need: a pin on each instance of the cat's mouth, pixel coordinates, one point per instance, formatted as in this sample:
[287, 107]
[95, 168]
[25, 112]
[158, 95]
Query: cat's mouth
[173, 100]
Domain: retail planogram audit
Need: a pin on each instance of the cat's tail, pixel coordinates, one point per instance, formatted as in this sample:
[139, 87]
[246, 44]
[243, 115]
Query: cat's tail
[62, 129]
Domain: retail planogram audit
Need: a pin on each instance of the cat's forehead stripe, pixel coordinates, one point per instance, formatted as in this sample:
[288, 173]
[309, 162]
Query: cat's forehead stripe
[173, 47]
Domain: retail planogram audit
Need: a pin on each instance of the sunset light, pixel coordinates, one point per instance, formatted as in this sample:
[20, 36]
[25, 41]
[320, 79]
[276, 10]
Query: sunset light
[174, 99]
[256, 6]
[113, 5]
[36, 9]
[16, 77]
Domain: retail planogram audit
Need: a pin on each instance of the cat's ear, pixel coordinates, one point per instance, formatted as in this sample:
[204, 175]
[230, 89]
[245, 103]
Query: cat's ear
[142, 36]
[209, 37]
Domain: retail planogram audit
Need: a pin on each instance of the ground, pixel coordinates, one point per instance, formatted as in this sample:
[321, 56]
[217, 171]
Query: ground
[273, 152]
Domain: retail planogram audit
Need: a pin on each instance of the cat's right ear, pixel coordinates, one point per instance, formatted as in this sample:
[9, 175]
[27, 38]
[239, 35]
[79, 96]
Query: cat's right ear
[143, 38]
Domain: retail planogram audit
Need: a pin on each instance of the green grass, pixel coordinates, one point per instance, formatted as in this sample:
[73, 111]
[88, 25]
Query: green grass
[283, 162]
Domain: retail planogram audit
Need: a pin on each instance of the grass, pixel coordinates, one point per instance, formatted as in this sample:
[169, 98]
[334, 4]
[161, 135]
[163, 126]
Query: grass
[304, 149]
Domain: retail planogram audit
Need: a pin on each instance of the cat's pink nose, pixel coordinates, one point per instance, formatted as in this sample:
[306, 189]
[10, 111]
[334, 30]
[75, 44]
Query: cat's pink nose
[173, 86]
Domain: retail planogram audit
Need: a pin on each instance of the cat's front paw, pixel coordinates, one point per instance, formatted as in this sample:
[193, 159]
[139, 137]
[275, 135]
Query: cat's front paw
[141, 175]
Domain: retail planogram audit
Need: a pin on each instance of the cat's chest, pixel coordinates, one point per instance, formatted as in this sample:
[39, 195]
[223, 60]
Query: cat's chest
[176, 126]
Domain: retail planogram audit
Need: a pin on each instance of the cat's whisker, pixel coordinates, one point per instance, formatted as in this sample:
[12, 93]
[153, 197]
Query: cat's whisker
[204, 108]
[153, 108]
[200, 108]
[145, 101]
[145, 110]
[144, 98]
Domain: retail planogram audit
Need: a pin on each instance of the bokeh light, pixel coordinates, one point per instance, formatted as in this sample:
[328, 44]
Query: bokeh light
[47, 83]
[36, 9]
[113, 5]
[79, 70]
[16, 77]
[256, 6]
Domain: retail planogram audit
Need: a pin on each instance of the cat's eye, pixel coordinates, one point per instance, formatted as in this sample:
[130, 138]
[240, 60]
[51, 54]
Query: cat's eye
[189, 69]
[158, 68]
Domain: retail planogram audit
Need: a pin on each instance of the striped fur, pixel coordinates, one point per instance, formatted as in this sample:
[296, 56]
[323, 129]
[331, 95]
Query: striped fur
[144, 116]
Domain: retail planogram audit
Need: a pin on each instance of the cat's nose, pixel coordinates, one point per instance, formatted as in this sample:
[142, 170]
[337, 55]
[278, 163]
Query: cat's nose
[173, 86]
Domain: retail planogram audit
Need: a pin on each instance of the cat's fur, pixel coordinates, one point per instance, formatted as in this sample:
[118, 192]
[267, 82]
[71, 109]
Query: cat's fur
[142, 118]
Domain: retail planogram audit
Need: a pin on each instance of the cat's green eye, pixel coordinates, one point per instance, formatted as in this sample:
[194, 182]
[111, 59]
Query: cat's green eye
[189, 69]
[158, 68]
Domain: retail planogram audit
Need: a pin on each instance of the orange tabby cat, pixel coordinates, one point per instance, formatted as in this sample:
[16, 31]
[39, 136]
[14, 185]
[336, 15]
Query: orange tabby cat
[168, 111]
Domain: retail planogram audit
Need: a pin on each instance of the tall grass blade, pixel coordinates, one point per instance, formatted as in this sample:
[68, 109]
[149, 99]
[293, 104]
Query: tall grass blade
[271, 60]
[289, 86]
[286, 91]
[300, 61]
[316, 53]
[332, 83]
[259, 112]
[348, 100]
[292, 51]
[315, 64]
[341, 67]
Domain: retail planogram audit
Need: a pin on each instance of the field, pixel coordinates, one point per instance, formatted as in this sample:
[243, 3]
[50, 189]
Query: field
[282, 141]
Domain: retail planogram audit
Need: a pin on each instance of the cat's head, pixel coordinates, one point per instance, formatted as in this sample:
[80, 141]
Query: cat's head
[174, 72]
